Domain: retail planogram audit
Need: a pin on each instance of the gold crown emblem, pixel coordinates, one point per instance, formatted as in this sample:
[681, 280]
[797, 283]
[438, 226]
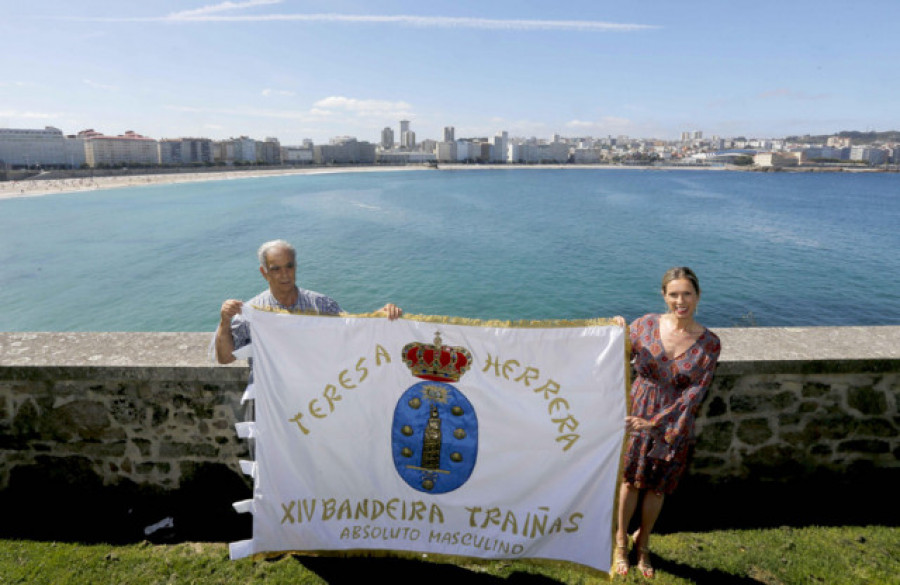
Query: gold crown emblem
[437, 362]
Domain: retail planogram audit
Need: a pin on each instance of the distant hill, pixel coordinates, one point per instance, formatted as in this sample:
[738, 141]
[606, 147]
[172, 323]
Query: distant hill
[854, 136]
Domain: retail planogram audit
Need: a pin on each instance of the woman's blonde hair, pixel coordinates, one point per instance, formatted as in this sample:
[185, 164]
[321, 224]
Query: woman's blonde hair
[677, 273]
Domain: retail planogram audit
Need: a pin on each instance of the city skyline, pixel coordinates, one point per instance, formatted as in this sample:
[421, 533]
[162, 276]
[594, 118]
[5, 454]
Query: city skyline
[315, 70]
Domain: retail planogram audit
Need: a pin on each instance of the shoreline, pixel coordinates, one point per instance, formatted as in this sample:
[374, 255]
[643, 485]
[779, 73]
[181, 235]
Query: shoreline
[37, 187]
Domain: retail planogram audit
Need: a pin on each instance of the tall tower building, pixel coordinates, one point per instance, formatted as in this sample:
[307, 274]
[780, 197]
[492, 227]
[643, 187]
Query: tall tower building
[407, 137]
[500, 146]
[387, 138]
[449, 134]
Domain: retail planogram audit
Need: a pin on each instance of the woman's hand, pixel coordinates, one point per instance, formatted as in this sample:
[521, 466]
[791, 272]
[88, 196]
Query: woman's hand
[635, 424]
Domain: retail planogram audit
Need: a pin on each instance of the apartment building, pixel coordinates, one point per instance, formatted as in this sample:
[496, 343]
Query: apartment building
[124, 149]
[268, 152]
[446, 152]
[297, 155]
[344, 150]
[28, 147]
[869, 154]
[185, 151]
[527, 153]
[241, 150]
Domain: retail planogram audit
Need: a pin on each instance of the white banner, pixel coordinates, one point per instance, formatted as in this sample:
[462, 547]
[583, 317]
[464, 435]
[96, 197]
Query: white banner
[503, 443]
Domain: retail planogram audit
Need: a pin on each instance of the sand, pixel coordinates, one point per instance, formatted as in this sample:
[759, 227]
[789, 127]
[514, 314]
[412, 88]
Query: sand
[37, 187]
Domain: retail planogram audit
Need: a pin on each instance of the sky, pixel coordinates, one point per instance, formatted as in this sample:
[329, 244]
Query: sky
[319, 69]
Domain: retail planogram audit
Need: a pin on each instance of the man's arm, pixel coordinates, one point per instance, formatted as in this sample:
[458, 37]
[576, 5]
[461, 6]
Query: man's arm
[224, 340]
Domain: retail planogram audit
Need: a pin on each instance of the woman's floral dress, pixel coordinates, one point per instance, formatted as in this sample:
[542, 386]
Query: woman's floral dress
[667, 392]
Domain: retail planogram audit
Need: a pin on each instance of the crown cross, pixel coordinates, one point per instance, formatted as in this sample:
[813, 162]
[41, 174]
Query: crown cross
[437, 362]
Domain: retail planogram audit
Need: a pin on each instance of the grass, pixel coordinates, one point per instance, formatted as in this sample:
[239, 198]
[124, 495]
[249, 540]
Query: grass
[812, 555]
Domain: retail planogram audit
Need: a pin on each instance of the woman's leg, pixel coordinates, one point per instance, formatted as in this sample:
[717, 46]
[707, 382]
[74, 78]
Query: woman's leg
[650, 509]
[628, 499]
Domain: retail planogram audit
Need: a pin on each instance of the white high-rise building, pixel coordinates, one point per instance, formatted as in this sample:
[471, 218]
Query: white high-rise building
[500, 147]
[47, 147]
[407, 136]
[446, 152]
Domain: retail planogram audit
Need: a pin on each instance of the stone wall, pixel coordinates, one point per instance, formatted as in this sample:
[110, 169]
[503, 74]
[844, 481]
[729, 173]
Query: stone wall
[790, 421]
[140, 426]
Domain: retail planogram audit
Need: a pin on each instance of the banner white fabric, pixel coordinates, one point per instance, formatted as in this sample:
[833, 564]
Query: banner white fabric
[518, 458]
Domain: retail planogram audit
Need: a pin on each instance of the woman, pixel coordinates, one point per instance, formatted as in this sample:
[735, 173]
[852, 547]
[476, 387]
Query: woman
[674, 359]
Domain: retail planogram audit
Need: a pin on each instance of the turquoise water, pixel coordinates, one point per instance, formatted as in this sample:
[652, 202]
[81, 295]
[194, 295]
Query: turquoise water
[771, 249]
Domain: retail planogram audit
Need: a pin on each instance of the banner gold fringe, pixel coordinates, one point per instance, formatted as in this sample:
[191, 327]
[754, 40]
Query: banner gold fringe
[524, 323]
[621, 474]
[434, 558]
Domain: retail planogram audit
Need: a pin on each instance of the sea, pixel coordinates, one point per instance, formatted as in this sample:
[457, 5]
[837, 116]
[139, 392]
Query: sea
[770, 249]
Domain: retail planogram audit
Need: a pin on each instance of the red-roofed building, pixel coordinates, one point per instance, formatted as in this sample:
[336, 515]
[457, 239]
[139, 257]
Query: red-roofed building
[128, 148]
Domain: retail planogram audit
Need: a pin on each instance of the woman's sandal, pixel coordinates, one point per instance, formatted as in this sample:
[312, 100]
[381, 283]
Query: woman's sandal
[643, 563]
[620, 560]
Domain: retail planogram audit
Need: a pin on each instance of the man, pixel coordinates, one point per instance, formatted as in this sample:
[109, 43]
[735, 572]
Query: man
[278, 265]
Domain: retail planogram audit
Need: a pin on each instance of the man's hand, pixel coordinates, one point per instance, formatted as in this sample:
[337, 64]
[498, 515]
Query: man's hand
[392, 311]
[224, 341]
[230, 308]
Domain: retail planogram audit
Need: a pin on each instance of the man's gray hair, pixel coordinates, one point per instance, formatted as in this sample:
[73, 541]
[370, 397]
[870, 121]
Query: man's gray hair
[281, 244]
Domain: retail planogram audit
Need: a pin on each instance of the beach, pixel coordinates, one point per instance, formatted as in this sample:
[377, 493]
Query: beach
[36, 187]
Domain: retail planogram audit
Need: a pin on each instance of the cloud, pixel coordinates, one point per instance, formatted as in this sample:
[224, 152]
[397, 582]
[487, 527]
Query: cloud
[247, 112]
[331, 107]
[28, 115]
[580, 124]
[277, 92]
[102, 86]
[220, 13]
[362, 107]
[203, 11]
[605, 124]
[319, 113]
[419, 21]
